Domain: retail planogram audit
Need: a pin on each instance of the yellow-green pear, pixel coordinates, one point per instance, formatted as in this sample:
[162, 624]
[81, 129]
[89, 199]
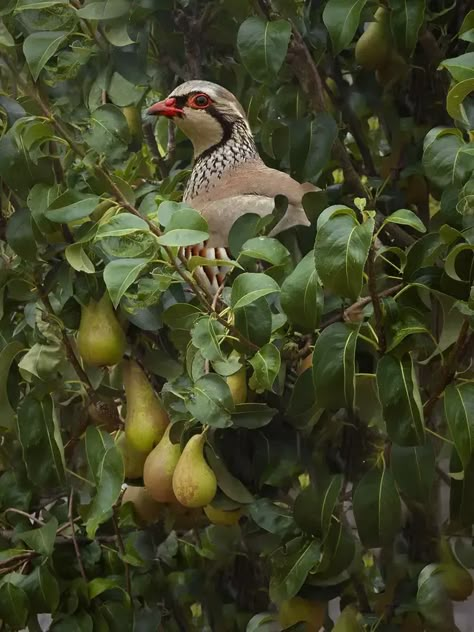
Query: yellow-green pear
[456, 578]
[100, 340]
[297, 609]
[159, 467]
[373, 48]
[194, 483]
[146, 418]
[237, 383]
[221, 516]
[348, 621]
[146, 509]
[133, 460]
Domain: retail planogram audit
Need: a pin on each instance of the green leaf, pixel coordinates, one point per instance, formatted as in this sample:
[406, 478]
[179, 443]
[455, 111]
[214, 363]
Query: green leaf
[70, 206]
[39, 47]
[42, 539]
[120, 274]
[210, 401]
[181, 316]
[450, 263]
[334, 366]
[342, 18]
[414, 470]
[442, 149]
[466, 32]
[266, 365]
[266, 249]
[459, 413]
[80, 621]
[434, 603]
[322, 133]
[250, 286]
[460, 68]
[104, 10]
[341, 249]
[406, 19]
[461, 500]
[40, 441]
[120, 225]
[14, 605]
[262, 46]
[455, 100]
[377, 508]
[302, 295]
[401, 401]
[252, 415]
[7, 355]
[314, 506]
[186, 227]
[271, 517]
[291, 564]
[109, 133]
[254, 321]
[106, 465]
[25, 5]
[407, 218]
[5, 38]
[227, 482]
[205, 336]
[42, 589]
[78, 259]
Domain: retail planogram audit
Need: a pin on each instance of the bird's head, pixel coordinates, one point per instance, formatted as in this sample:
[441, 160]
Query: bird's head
[204, 111]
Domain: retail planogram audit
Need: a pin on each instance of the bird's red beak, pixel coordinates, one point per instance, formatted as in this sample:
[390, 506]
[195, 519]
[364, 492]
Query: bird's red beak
[165, 108]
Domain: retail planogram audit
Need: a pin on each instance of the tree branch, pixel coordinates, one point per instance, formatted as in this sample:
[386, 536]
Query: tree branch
[372, 286]
[73, 537]
[463, 342]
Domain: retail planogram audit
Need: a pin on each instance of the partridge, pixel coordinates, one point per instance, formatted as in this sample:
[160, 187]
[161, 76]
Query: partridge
[228, 178]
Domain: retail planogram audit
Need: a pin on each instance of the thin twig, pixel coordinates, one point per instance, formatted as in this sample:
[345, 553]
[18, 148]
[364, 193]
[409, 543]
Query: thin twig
[372, 286]
[26, 515]
[448, 374]
[150, 140]
[358, 305]
[121, 548]
[73, 537]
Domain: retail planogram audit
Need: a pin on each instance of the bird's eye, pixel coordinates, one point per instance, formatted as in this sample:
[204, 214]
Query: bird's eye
[200, 101]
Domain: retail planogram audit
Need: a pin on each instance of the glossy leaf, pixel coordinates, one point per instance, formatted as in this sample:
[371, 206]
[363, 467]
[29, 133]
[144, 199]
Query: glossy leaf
[342, 18]
[262, 46]
[120, 274]
[407, 218]
[40, 47]
[7, 355]
[314, 506]
[41, 539]
[210, 401]
[104, 10]
[290, 566]
[414, 470]
[401, 402]
[334, 366]
[14, 605]
[71, 206]
[266, 365]
[377, 508]
[250, 286]
[40, 441]
[459, 413]
[302, 295]
[406, 19]
[340, 251]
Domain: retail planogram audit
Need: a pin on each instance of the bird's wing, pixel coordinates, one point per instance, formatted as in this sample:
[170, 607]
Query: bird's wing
[221, 214]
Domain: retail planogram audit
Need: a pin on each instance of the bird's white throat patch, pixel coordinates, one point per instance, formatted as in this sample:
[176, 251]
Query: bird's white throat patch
[201, 128]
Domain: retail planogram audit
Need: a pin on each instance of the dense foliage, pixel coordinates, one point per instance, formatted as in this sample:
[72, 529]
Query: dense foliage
[356, 346]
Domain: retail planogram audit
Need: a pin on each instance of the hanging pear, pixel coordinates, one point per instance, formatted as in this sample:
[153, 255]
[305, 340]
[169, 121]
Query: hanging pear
[373, 47]
[146, 418]
[298, 610]
[237, 383]
[133, 460]
[194, 483]
[223, 517]
[147, 510]
[159, 467]
[100, 339]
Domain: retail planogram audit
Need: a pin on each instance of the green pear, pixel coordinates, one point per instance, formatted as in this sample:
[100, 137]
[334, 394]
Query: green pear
[456, 578]
[194, 483]
[100, 340]
[348, 621]
[159, 467]
[146, 419]
[133, 460]
[237, 383]
[373, 48]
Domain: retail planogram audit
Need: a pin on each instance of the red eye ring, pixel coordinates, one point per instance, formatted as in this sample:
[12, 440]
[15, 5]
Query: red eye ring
[200, 101]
